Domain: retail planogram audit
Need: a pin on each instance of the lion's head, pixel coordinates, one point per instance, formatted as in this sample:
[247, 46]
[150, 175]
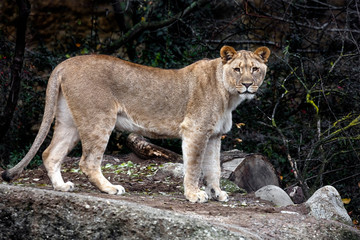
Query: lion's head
[244, 71]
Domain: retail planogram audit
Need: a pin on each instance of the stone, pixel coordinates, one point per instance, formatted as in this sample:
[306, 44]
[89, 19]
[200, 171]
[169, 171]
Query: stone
[326, 203]
[32, 213]
[296, 194]
[275, 195]
[29, 213]
[171, 170]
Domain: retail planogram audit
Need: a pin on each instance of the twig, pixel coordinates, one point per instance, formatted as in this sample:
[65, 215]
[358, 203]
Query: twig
[324, 27]
[143, 25]
[338, 59]
[356, 174]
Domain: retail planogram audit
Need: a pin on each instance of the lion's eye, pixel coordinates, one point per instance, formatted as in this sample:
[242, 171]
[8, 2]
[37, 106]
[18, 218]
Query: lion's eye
[255, 69]
[237, 70]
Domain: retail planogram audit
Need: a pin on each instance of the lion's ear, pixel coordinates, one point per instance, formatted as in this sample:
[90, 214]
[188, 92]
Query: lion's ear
[227, 53]
[263, 53]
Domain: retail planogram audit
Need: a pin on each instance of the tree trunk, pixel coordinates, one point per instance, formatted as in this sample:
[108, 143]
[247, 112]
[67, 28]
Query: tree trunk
[16, 67]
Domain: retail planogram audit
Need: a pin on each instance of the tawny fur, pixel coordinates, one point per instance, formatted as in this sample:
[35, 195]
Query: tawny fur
[91, 95]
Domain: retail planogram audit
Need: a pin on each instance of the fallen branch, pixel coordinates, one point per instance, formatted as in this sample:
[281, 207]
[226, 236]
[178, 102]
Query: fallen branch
[146, 150]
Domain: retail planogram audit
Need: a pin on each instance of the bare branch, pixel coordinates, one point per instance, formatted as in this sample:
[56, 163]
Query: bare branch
[143, 26]
[326, 6]
[237, 42]
[323, 27]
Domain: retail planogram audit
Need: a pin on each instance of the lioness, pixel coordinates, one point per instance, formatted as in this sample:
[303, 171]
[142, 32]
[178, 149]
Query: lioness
[91, 95]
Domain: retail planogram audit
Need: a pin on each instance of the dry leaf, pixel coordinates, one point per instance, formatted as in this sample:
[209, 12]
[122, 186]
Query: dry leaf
[239, 125]
[346, 200]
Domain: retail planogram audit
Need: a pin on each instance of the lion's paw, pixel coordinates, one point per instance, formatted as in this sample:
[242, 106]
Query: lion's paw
[223, 197]
[120, 189]
[199, 196]
[218, 195]
[114, 190]
[66, 187]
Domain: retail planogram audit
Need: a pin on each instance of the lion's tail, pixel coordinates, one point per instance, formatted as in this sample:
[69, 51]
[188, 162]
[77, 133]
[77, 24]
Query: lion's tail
[52, 94]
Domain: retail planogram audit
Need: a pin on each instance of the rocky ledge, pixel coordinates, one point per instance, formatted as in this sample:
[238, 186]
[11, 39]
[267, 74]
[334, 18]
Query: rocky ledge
[33, 213]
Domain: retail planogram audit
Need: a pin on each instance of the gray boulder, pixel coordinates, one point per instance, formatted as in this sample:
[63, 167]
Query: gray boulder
[171, 170]
[326, 203]
[275, 195]
[30, 213]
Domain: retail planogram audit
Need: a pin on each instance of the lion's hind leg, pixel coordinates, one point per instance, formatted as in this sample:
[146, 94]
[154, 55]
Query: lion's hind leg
[64, 139]
[94, 139]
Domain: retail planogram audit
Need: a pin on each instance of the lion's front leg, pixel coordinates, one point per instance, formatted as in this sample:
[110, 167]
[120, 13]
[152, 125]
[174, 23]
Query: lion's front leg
[211, 170]
[193, 146]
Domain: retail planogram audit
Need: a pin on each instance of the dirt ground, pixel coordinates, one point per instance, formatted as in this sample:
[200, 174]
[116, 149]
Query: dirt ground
[144, 186]
[141, 183]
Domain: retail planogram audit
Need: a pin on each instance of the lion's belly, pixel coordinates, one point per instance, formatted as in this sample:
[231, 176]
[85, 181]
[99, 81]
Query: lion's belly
[148, 128]
[123, 123]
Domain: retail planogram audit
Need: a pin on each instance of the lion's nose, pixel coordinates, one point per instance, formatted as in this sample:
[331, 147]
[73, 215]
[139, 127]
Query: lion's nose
[247, 85]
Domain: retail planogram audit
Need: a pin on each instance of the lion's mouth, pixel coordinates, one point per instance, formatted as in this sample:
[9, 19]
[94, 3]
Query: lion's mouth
[245, 92]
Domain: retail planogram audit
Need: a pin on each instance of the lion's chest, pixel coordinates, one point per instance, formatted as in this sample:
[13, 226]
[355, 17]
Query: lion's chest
[224, 123]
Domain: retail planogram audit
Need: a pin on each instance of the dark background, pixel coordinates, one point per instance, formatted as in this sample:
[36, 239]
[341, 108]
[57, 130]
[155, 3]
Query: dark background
[305, 119]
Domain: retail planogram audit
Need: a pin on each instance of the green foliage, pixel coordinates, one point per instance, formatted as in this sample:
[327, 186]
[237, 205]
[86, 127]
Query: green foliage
[231, 187]
[132, 169]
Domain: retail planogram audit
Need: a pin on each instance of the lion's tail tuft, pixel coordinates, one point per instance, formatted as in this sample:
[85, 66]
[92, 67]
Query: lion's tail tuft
[8, 176]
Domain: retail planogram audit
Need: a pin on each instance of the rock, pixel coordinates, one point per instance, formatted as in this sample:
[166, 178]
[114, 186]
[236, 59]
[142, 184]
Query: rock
[275, 195]
[29, 213]
[249, 171]
[296, 194]
[326, 203]
[170, 170]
